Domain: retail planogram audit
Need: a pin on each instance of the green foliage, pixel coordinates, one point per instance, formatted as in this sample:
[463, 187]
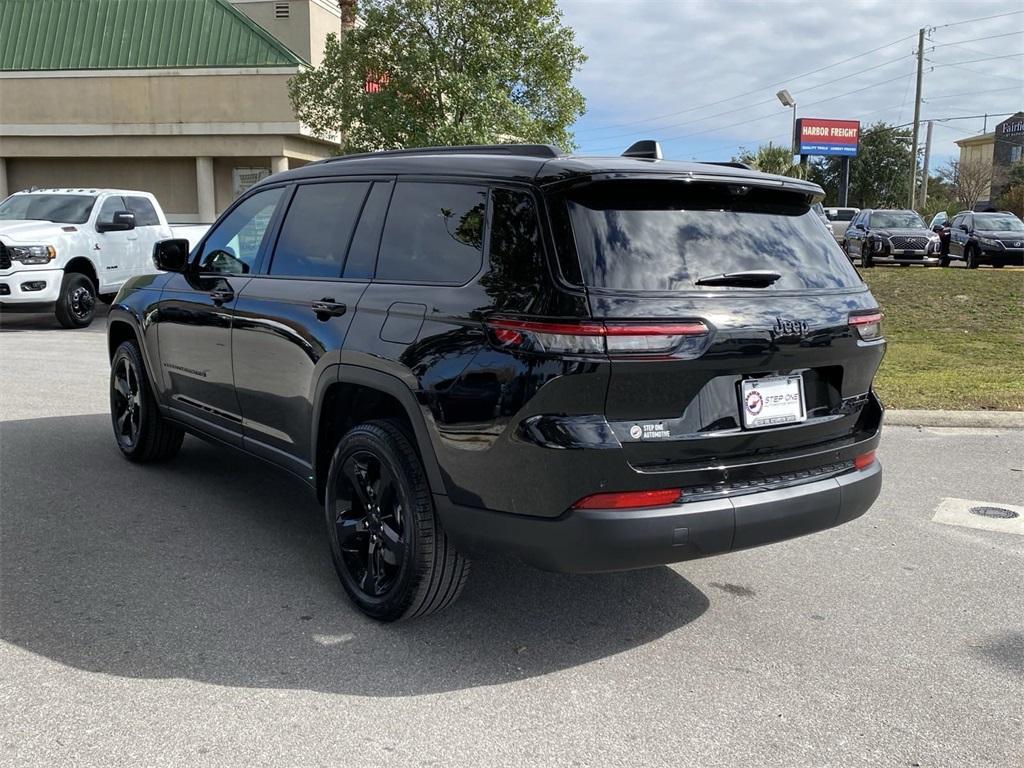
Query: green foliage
[771, 159]
[450, 72]
[1013, 198]
[878, 175]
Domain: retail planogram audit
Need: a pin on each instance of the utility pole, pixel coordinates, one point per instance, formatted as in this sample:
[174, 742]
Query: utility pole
[924, 170]
[917, 117]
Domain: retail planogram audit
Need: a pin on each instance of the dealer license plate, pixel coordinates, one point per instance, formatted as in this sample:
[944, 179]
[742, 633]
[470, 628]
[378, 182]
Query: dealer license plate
[771, 402]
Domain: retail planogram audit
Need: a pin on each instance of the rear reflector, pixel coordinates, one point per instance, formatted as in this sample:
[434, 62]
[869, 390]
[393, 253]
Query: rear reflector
[869, 326]
[629, 500]
[864, 461]
[685, 339]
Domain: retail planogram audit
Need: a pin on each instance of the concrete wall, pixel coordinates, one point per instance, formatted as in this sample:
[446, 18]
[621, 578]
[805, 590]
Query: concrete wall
[250, 98]
[172, 180]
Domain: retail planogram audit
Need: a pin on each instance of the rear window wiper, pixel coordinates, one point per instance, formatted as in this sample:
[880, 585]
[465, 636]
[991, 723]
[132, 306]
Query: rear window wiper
[753, 278]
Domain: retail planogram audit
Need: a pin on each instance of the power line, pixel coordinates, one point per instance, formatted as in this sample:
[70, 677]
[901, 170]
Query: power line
[756, 104]
[970, 93]
[937, 65]
[979, 18]
[750, 93]
[976, 39]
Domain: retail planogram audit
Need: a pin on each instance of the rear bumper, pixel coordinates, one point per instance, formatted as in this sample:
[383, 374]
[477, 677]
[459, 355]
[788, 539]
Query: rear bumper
[613, 540]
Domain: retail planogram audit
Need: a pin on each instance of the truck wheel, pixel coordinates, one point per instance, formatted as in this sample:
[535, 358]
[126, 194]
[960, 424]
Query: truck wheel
[76, 304]
[142, 434]
[391, 554]
[972, 258]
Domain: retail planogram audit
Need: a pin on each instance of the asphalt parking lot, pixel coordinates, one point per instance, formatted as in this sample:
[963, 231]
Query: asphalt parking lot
[188, 614]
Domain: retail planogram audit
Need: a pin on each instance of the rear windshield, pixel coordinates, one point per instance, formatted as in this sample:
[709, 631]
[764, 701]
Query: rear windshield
[63, 209]
[664, 236]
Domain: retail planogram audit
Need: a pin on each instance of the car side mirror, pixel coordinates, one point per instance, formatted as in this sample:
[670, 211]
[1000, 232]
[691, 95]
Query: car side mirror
[171, 255]
[121, 221]
[964, 228]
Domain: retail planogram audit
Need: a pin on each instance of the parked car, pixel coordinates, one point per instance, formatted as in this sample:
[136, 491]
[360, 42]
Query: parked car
[995, 238]
[839, 220]
[62, 249]
[819, 210]
[890, 236]
[490, 348]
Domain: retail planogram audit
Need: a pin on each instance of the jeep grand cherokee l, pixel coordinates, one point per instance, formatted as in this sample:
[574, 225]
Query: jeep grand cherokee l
[591, 363]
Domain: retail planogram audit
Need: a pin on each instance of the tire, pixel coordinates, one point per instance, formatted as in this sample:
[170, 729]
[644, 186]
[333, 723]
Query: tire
[76, 304]
[142, 434]
[971, 254]
[865, 256]
[391, 554]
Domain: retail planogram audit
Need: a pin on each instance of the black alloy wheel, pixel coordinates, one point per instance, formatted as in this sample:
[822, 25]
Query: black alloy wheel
[126, 402]
[141, 432]
[369, 523]
[391, 554]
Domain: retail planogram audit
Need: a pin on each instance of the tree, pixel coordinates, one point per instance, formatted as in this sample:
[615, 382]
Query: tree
[441, 72]
[771, 159]
[970, 181]
[1013, 198]
[878, 174]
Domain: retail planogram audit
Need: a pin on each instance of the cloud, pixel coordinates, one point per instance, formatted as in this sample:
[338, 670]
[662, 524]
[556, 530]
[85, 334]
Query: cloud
[701, 76]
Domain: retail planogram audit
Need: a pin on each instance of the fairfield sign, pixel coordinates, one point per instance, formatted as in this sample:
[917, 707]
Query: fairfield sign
[828, 137]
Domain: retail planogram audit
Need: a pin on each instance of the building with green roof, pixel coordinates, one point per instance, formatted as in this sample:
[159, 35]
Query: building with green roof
[185, 98]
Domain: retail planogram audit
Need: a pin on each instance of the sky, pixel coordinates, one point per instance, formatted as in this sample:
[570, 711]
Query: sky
[700, 76]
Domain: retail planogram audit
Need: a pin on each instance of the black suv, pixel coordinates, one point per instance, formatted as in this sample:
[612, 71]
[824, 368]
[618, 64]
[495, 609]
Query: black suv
[591, 363]
[995, 238]
[891, 236]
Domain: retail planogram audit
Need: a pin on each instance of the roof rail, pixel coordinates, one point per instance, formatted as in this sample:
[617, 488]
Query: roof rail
[547, 151]
[728, 164]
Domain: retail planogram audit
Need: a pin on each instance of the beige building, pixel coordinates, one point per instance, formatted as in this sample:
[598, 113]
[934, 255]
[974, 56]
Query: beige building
[187, 99]
[979, 149]
[1002, 150]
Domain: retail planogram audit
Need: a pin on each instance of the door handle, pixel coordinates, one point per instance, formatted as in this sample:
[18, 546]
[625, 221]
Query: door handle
[221, 295]
[327, 308]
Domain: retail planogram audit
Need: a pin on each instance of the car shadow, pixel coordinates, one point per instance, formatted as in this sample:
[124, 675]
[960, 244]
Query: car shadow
[213, 567]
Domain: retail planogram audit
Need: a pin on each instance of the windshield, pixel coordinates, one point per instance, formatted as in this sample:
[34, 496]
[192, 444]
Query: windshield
[998, 222]
[896, 220]
[664, 236]
[62, 209]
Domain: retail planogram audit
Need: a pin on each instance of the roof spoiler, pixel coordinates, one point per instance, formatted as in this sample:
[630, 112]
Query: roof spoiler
[647, 149]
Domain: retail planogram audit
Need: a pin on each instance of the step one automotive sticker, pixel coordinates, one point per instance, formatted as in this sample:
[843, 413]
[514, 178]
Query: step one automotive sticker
[648, 431]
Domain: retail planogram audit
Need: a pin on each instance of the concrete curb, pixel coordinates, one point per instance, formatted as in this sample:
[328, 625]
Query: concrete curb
[991, 419]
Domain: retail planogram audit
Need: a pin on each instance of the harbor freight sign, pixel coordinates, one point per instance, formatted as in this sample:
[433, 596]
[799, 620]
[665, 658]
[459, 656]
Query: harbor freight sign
[828, 137]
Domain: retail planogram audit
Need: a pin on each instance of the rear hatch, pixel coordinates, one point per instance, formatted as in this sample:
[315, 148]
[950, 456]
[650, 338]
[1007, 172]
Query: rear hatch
[791, 338]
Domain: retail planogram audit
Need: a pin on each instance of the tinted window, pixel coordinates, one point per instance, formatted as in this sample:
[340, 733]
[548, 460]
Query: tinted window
[234, 244]
[433, 233]
[362, 254]
[145, 213]
[110, 206]
[317, 229]
[664, 236]
[516, 259]
[63, 209]
[843, 215]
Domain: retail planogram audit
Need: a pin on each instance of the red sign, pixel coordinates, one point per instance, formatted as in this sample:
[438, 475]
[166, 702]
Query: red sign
[828, 137]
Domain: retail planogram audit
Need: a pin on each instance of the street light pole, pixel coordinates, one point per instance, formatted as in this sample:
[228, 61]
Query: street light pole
[788, 101]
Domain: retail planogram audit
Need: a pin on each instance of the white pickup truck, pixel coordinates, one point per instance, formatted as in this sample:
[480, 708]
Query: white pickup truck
[62, 249]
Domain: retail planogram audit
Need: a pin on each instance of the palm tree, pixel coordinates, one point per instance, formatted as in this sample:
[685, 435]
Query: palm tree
[772, 159]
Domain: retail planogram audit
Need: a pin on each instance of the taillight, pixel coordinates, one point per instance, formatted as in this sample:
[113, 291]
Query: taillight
[686, 339]
[868, 326]
[864, 461]
[629, 499]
